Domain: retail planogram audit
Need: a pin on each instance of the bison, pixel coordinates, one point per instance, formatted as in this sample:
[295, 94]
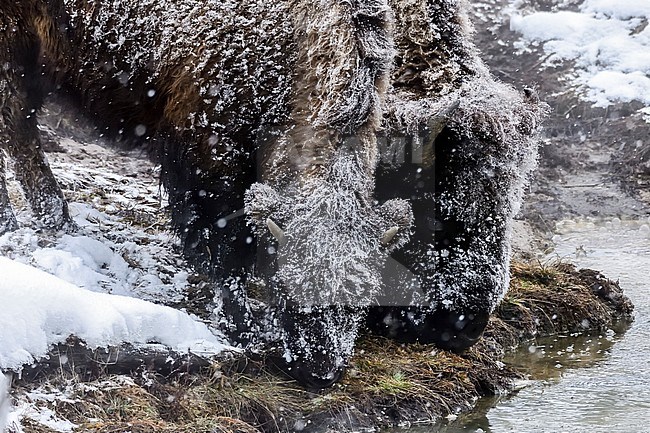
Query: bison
[269, 120]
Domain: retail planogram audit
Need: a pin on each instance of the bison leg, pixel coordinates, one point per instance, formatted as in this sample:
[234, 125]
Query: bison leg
[7, 218]
[37, 180]
[455, 269]
[217, 236]
[21, 96]
[207, 212]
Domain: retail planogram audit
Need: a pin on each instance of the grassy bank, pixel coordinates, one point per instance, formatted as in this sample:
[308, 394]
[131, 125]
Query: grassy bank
[387, 384]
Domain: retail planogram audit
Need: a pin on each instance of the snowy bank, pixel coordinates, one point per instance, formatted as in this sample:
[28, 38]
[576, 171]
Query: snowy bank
[5, 383]
[39, 310]
[387, 384]
[609, 41]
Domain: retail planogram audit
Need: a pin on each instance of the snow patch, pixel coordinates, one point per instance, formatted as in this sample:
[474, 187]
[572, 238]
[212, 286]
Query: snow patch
[43, 416]
[40, 310]
[609, 42]
[5, 405]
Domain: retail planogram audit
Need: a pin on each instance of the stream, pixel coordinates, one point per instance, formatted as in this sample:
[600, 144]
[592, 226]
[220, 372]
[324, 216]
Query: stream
[582, 384]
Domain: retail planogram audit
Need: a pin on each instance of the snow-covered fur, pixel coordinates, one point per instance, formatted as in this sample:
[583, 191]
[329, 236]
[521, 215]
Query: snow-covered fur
[268, 119]
[225, 93]
[461, 145]
[319, 179]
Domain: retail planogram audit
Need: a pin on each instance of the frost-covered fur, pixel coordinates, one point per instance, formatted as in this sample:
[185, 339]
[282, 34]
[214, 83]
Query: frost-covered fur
[268, 119]
[225, 93]
[331, 252]
[471, 145]
[322, 168]
[319, 181]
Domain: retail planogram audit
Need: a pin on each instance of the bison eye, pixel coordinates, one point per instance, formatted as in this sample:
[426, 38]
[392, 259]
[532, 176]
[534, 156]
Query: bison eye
[276, 231]
[388, 235]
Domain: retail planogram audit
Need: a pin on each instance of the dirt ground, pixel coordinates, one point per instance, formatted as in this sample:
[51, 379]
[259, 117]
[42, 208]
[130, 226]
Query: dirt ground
[593, 161]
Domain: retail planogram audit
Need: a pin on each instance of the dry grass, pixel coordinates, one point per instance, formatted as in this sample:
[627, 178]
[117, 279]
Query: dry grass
[557, 298]
[387, 383]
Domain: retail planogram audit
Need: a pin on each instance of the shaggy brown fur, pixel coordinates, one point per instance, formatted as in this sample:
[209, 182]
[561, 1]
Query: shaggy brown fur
[210, 87]
[342, 75]
[294, 94]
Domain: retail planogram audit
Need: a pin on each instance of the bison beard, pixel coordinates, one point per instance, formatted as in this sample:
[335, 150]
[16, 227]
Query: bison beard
[276, 108]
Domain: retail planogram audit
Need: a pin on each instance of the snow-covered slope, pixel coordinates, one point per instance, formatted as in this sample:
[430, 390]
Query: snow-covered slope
[608, 40]
[108, 281]
[39, 309]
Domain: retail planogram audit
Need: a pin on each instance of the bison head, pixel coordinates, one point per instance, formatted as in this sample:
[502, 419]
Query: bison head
[325, 238]
[323, 242]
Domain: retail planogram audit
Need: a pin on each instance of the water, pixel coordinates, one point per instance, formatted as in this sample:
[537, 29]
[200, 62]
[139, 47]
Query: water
[586, 384]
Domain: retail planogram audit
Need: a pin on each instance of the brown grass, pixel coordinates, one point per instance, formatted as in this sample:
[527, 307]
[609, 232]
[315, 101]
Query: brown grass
[387, 383]
[557, 298]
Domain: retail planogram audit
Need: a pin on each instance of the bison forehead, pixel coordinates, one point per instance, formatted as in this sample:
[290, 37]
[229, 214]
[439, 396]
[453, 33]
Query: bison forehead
[318, 211]
[324, 263]
[332, 213]
[331, 282]
[330, 249]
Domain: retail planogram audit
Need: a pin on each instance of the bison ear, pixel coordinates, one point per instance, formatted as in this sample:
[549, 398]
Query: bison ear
[398, 218]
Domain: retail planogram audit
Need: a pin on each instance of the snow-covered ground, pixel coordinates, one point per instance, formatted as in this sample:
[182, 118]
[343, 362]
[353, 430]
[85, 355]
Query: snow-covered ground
[39, 310]
[608, 41]
[111, 281]
[122, 246]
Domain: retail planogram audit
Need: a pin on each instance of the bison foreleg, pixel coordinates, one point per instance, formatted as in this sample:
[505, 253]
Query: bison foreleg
[21, 96]
[37, 180]
[7, 218]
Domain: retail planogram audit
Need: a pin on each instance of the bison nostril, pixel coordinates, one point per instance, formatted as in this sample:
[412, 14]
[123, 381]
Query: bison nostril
[460, 323]
[307, 376]
[312, 381]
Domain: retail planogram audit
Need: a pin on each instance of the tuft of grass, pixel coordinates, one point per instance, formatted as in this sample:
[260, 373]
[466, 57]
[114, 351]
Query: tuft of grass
[557, 298]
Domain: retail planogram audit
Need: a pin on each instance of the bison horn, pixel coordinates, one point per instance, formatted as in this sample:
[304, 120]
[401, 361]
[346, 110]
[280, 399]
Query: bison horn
[275, 230]
[389, 235]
